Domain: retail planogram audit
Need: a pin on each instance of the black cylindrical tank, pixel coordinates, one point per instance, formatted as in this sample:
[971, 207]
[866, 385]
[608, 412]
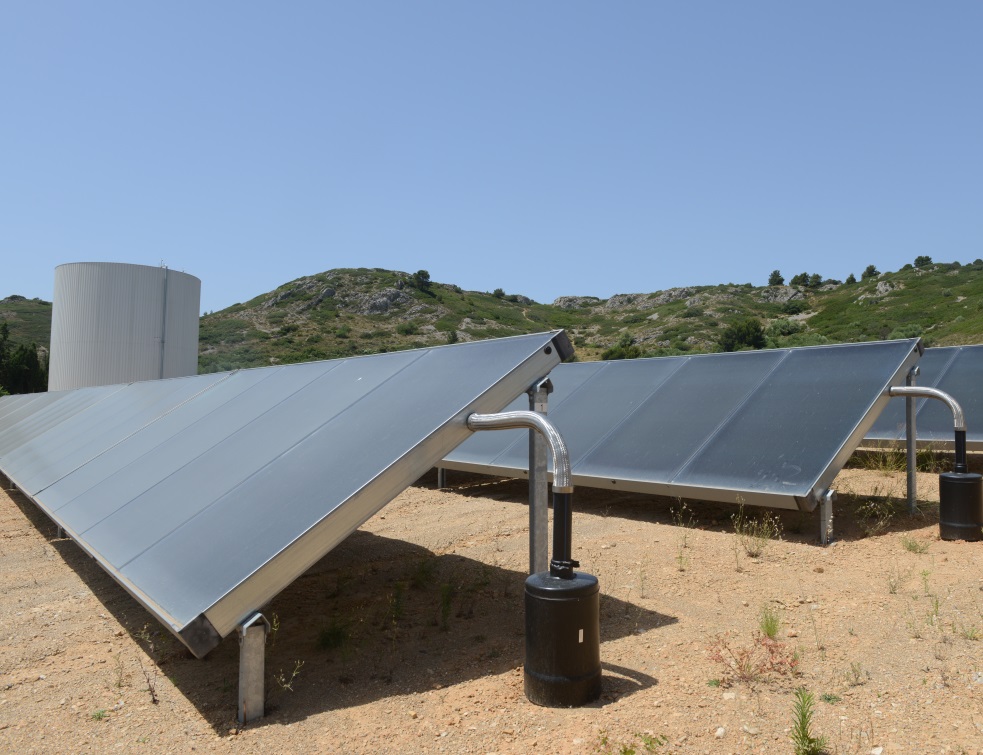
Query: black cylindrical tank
[960, 506]
[563, 640]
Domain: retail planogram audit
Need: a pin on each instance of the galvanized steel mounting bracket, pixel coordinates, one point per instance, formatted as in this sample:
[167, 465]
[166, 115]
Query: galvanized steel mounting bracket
[252, 667]
[826, 517]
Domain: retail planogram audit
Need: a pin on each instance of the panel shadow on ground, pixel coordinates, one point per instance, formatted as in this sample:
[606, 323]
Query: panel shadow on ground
[363, 619]
[769, 427]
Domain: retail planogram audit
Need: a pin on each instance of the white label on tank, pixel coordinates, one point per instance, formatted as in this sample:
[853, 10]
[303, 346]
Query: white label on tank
[581, 640]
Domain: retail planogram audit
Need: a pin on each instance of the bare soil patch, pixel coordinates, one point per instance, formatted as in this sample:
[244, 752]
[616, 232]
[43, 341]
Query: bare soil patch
[409, 636]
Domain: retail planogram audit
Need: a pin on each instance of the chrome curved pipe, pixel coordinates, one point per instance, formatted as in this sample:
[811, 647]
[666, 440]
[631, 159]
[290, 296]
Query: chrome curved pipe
[958, 418]
[562, 480]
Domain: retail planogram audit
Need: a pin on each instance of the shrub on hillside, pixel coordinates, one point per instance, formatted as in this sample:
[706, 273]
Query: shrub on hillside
[625, 349]
[743, 334]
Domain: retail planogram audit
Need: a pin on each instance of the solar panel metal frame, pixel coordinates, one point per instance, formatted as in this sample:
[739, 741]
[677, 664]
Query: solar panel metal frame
[157, 421]
[956, 370]
[579, 392]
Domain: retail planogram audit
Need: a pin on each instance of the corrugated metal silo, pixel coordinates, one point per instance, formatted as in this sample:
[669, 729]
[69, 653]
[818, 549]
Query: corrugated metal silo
[120, 323]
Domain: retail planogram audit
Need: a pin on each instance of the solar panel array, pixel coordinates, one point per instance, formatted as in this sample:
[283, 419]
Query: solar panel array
[956, 370]
[205, 496]
[768, 427]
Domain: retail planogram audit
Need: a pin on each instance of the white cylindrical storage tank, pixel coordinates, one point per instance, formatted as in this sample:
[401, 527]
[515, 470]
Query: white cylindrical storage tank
[119, 323]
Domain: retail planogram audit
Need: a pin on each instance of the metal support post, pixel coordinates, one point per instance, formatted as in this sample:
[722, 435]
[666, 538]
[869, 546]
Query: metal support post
[538, 483]
[826, 517]
[441, 477]
[910, 436]
[252, 667]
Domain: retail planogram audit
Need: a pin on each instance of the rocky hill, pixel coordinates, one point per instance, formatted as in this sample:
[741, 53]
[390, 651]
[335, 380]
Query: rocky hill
[362, 311]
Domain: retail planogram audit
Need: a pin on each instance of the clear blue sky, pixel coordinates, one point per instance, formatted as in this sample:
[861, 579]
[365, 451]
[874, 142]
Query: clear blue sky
[546, 148]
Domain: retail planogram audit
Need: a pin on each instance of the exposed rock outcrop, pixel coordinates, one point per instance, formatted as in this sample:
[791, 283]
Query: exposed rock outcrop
[780, 294]
[374, 303]
[576, 302]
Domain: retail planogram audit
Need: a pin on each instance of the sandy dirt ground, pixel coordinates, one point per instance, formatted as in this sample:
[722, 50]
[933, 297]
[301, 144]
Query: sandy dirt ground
[408, 637]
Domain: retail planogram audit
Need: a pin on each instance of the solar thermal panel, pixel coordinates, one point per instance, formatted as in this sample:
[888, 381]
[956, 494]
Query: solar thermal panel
[770, 427]
[205, 496]
[956, 370]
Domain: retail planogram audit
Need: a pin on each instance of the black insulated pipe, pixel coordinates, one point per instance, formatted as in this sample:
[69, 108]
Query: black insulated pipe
[960, 465]
[562, 563]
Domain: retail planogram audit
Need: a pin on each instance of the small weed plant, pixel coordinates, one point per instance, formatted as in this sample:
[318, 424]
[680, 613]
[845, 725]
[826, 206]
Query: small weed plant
[969, 632]
[446, 598]
[932, 460]
[896, 577]
[423, 574]
[752, 663]
[876, 513]
[333, 637]
[820, 638]
[394, 611]
[769, 621]
[119, 671]
[925, 574]
[754, 534]
[912, 545]
[888, 460]
[285, 682]
[682, 560]
[683, 517]
[641, 742]
[894, 460]
[857, 676]
[145, 636]
[914, 627]
[151, 677]
[803, 741]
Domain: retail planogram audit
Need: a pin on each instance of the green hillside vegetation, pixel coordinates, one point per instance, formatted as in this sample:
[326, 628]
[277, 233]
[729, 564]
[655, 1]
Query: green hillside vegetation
[361, 311]
[25, 325]
[29, 320]
[354, 311]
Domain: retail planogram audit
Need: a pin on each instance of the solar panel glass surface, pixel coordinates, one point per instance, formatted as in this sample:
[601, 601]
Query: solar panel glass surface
[205, 496]
[768, 427]
[956, 370]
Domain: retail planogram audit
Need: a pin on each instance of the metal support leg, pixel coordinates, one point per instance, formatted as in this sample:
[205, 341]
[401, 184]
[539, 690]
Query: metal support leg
[252, 667]
[538, 483]
[910, 436]
[441, 478]
[61, 533]
[826, 517]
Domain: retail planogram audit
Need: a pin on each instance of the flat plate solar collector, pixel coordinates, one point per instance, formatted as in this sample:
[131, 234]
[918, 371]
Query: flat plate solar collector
[956, 370]
[205, 496]
[769, 427]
